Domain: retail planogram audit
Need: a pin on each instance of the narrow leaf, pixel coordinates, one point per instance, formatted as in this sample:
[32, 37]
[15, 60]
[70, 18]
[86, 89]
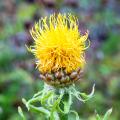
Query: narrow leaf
[87, 97]
[40, 110]
[76, 115]
[98, 117]
[107, 114]
[21, 113]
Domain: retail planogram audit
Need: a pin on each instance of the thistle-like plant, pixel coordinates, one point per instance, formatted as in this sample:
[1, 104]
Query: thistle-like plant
[59, 48]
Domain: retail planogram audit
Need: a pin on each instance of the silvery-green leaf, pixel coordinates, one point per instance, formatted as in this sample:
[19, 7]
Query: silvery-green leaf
[66, 101]
[98, 117]
[37, 94]
[54, 116]
[21, 113]
[87, 97]
[107, 114]
[40, 110]
[46, 96]
[76, 115]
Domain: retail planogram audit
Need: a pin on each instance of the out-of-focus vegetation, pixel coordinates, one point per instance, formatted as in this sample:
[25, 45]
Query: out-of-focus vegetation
[18, 76]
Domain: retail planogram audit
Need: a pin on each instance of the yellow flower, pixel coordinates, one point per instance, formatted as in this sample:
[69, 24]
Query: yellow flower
[58, 43]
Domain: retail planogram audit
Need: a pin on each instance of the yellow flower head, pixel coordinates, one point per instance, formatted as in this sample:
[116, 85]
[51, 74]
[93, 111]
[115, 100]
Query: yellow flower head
[58, 43]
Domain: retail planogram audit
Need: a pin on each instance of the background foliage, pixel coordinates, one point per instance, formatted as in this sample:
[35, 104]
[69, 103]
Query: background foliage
[18, 76]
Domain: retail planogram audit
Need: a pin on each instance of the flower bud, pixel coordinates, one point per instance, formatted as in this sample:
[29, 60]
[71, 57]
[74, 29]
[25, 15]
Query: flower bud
[49, 77]
[73, 75]
[59, 74]
[42, 77]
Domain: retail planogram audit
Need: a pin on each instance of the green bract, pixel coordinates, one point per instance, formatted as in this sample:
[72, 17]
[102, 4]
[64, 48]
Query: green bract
[56, 103]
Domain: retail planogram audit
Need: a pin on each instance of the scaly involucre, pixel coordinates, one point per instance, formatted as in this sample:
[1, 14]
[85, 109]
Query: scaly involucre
[58, 43]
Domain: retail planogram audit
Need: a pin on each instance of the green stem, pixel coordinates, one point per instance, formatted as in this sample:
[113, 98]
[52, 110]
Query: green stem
[63, 117]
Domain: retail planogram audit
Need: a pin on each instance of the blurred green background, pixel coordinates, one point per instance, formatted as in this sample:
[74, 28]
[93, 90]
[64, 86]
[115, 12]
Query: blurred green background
[20, 79]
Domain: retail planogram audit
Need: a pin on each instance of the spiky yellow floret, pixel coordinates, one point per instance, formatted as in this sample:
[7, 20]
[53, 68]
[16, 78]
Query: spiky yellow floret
[58, 43]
